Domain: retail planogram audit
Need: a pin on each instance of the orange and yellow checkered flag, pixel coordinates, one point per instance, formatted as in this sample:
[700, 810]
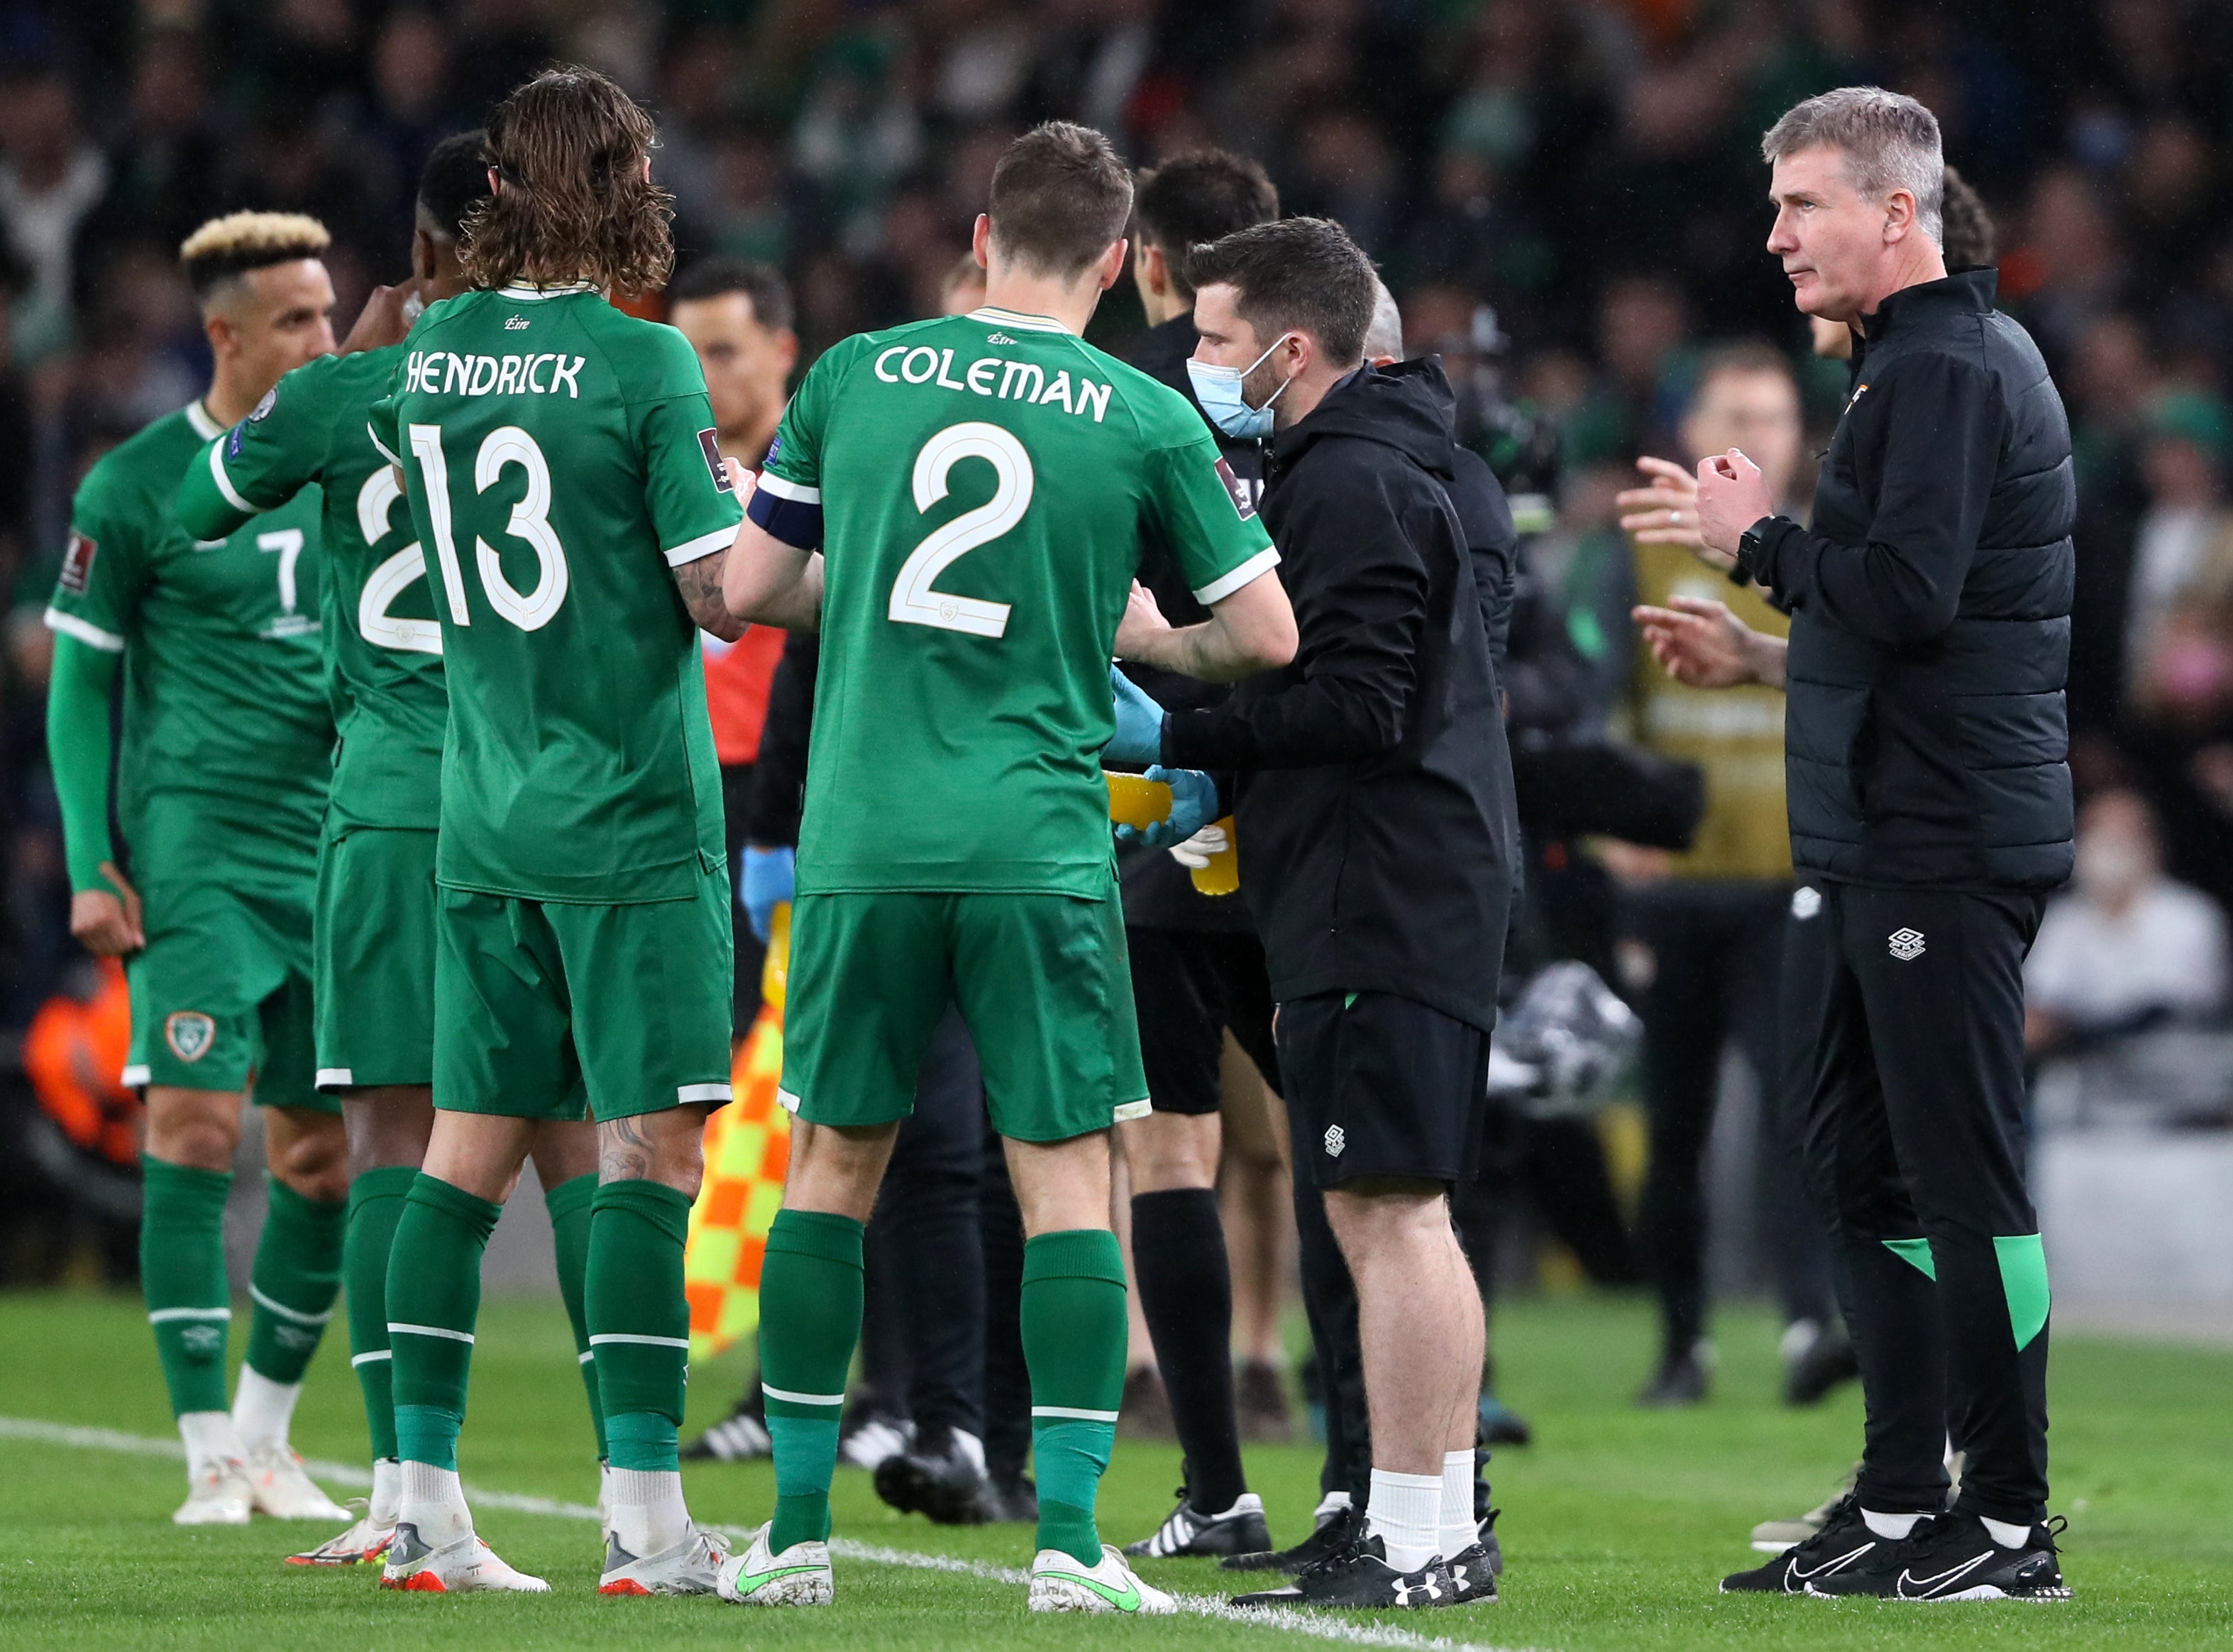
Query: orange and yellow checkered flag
[747, 1150]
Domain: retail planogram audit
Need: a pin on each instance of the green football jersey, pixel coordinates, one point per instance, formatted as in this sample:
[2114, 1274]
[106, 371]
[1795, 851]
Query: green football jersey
[227, 740]
[559, 460]
[983, 481]
[383, 639]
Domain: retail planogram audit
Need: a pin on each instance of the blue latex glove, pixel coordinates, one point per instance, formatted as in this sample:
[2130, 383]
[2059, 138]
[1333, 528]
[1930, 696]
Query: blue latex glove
[767, 877]
[1139, 736]
[1194, 805]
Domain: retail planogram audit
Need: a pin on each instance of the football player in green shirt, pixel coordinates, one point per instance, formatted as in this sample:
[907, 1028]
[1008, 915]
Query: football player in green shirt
[374, 937]
[563, 482]
[219, 778]
[977, 487]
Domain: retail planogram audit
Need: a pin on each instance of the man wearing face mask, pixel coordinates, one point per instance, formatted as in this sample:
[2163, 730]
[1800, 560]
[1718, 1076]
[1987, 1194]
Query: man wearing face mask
[1375, 786]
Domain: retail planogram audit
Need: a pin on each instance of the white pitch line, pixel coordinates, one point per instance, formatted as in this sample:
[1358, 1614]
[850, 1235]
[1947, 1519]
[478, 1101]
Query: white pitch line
[351, 1474]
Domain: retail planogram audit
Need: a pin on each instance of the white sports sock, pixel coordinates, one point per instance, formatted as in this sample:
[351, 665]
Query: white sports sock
[2008, 1535]
[1459, 1533]
[1406, 1514]
[262, 1409]
[1895, 1526]
[386, 1491]
[648, 1514]
[209, 1438]
[435, 1502]
[1332, 1504]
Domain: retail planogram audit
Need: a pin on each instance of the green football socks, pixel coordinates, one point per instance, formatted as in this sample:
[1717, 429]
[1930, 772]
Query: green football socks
[639, 1322]
[296, 1277]
[1074, 1337]
[375, 1206]
[182, 1276]
[433, 1297]
[810, 1293]
[568, 1204]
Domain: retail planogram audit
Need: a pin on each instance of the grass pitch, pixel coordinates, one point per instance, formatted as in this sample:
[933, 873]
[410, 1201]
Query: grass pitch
[1617, 1523]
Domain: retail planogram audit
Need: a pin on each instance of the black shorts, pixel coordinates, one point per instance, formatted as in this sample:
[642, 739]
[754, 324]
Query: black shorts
[1381, 1085]
[1189, 987]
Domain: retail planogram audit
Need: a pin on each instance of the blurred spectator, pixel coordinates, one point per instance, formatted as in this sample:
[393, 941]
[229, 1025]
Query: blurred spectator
[51, 179]
[2182, 556]
[2123, 965]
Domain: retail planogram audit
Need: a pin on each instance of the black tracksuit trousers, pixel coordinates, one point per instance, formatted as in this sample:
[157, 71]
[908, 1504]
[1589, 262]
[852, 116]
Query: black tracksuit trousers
[1904, 1043]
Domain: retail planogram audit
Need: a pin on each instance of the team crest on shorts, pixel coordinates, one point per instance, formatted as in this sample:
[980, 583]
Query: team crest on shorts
[1906, 945]
[190, 1034]
[1806, 902]
[1336, 1140]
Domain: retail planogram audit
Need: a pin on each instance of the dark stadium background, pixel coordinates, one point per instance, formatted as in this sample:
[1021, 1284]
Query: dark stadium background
[1589, 170]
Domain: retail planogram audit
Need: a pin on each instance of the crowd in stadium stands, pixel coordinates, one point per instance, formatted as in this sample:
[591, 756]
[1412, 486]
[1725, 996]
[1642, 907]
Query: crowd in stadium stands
[1589, 168]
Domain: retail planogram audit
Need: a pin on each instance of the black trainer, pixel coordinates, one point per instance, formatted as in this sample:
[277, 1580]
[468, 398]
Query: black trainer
[1011, 1502]
[1487, 1542]
[738, 1437]
[1358, 1577]
[1684, 1378]
[1843, 1542]
[1952, 1557]
[1333, 1533]
[1189, 1531]
[1827, 1362]
[1471, 1573]
[941, 1473]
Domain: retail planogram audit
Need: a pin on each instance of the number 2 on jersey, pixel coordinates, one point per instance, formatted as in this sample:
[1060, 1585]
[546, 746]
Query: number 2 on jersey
[530, 521]
[915, 599]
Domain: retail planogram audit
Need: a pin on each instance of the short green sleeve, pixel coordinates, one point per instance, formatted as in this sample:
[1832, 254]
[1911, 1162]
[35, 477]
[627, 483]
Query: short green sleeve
[793, 469]
[98, 588]
[686, 489]
[1204, 513]
[265, 459]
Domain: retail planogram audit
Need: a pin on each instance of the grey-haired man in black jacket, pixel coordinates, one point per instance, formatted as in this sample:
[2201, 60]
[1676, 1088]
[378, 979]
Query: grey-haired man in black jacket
[1931, 801]
[1373, 813]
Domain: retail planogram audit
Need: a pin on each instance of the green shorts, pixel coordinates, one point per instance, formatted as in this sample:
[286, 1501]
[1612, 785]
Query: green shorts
[651, 982]
[1042, 980]
[374, 957]
[222, 991]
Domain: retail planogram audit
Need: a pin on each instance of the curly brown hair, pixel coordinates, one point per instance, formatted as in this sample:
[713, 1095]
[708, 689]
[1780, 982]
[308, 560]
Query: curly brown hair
[572, 202]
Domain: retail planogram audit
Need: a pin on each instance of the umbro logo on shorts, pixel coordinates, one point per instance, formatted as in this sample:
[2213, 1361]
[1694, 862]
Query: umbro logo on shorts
[190, 1034]
[1806, 902]
[1906, 944]
[1336, 1140]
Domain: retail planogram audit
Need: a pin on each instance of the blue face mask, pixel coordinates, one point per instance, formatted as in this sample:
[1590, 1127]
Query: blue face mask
[1218, 389]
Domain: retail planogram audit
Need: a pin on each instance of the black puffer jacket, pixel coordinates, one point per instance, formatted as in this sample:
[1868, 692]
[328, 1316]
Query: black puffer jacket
[1926, 737]
[1374, 818]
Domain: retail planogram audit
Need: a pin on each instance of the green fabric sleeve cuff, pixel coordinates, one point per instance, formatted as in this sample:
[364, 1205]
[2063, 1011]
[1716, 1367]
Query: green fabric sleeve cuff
[471, 1207]
[202, 509]
[569, 1197]
[656, 1203]
[817, 1233]
[1074, 1253]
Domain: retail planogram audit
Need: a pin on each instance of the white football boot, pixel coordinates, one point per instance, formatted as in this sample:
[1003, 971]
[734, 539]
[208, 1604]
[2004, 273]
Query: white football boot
[281, 1488]
[221, 1494]
[690, 1567]
[1060, 1584]
[800, 1575]
[454, 1568]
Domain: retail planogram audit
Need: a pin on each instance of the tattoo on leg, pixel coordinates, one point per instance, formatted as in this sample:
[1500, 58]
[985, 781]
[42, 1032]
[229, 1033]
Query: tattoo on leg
[624, 1151]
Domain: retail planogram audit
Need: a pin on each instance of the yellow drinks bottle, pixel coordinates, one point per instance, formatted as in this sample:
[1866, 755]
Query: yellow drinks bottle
[775, 974]
[1136, 802]
[1222, 875]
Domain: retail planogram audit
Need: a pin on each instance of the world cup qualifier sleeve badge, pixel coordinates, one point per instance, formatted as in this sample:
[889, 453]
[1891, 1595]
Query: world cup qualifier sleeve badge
[190, 1034]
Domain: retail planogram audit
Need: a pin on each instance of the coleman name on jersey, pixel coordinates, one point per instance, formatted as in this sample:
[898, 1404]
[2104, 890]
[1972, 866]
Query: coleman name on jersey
[994, 377]
[443, 373]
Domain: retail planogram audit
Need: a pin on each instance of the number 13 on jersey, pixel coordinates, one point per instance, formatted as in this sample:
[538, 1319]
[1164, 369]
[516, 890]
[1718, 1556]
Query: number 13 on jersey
[530, 522]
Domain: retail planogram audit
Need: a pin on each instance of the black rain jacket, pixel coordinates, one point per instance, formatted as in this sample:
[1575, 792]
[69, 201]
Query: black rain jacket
[1925, 736]
[1374, 818]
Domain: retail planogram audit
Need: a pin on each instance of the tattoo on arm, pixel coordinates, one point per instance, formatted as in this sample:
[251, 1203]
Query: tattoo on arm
[700, 582]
